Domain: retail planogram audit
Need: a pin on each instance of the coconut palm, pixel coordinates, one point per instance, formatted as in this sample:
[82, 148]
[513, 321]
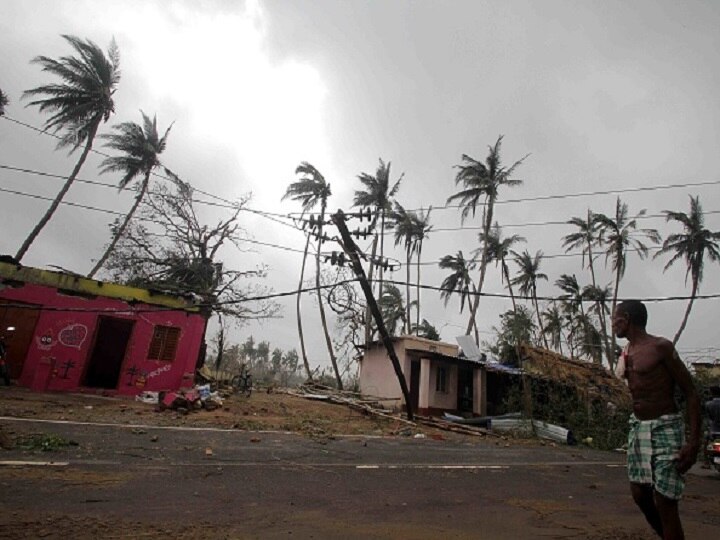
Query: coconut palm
[378, 194]
[526, 279]
[574, 296]
[426, 330]
[421, 230]
[459, 280]
[3, 102]
[78, 104]
[140, 147]
[392, 308]
[553, 327]
[691, 245]
[498, 250]
[312, 189]
[620, 234]
[405, 232]
[586, 237]
[482, 181]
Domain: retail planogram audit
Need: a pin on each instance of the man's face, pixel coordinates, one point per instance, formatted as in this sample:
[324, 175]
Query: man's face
[620, 322]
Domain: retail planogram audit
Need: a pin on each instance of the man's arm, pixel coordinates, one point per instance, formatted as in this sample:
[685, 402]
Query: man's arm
[688, 453]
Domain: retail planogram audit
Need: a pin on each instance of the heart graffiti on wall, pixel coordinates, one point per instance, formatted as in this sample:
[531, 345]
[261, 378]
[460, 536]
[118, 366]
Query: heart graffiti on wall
[73, 335]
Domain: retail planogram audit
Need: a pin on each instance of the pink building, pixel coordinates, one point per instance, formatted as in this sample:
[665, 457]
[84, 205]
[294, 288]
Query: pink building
[68, 333]
[438, 380]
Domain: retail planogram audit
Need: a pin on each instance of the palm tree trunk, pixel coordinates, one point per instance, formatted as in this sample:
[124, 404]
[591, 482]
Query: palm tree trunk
[43, 221]
[121, 230]
[540, 324]
[417, 291]
[693, 293]
[382, 251]
[297, 310]
[613, 343]
[487, 222]
[506, 271]
[599, 309]
[323, 320]
[408, 316]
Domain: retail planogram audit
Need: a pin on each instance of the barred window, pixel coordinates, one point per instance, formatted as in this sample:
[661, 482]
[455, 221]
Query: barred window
[164, 343]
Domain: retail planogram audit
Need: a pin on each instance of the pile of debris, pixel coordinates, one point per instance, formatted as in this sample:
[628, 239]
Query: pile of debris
[184, 401]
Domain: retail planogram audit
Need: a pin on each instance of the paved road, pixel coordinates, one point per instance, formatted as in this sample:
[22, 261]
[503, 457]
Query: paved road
[124, 481]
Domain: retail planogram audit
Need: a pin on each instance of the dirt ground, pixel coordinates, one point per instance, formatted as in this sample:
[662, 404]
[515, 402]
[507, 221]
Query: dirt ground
[331, 484]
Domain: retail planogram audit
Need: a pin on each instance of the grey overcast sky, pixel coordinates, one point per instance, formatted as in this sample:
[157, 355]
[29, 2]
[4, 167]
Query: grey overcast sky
[605, 96]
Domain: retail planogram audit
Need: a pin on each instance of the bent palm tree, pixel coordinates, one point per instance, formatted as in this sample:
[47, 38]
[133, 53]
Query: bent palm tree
[692, 245]
[379, 195]
[526, 279]
[620, 234]
[421, 230]
[404, 225]
[141, 147]
[498, 250]
[482, 181]
[587, 236]
[77, 105]
[310, 190]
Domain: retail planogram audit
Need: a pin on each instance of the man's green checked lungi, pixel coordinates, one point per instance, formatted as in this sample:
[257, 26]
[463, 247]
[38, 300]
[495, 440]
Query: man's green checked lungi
[653, 446]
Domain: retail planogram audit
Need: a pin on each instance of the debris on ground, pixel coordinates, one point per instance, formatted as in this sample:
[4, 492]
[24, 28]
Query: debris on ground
[44, 442]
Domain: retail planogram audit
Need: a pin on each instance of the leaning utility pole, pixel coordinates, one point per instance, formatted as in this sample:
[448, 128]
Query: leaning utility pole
[351, 250]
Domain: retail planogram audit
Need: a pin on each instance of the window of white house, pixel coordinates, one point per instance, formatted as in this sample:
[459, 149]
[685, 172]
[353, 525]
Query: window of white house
[164, 343]
[441, 381]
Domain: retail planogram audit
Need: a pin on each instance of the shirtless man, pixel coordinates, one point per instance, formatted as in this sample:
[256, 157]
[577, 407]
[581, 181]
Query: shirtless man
[657, 457]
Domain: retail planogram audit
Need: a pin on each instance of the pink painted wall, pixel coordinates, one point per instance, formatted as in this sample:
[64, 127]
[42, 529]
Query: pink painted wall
[61, 337]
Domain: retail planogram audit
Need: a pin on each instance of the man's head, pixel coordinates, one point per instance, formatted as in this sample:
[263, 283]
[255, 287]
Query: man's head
[629, 313]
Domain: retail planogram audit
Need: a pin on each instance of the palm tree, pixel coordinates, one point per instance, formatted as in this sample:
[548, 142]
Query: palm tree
[378, 194]
[498, 250]
[141, 147]
[426, 330]
[77, 105]
[574, 296]
[691, 245]
[421, 230]
[620, 234]
[310, 190]
[392, 308]
[587, 236]
[3, 102]
[527, 278]
[459, 280]
[553, 327]
[482, 181]
[405, 231]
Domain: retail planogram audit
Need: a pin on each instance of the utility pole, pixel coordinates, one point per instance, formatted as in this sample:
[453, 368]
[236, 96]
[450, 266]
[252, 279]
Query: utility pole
[351, 250]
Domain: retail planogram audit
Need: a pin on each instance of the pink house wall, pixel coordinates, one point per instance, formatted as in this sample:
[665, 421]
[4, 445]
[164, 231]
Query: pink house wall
[63, 341]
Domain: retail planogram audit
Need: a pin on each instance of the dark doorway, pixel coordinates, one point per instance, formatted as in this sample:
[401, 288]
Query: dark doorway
[415, 384]
[111, 340]
[465, 390]
[17, 325]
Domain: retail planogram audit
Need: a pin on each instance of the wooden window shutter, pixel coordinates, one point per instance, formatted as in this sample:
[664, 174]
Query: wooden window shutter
[164, 343]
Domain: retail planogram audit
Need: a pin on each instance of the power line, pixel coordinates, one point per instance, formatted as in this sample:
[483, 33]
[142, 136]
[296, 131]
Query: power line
[439, 206]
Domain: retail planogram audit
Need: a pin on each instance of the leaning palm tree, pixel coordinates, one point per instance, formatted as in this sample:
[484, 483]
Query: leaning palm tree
[586, 237]
[3, 102]
[140, 147]
[526, 279]
[378, 195]
[78, 104]
[498, 250]
[392, 308]
[553, 327]
[620, 234]
[312, 189]
[458, 281]
[691, 245]
[574, 296]
[421, 230]
[482, 181]
[404, 227]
